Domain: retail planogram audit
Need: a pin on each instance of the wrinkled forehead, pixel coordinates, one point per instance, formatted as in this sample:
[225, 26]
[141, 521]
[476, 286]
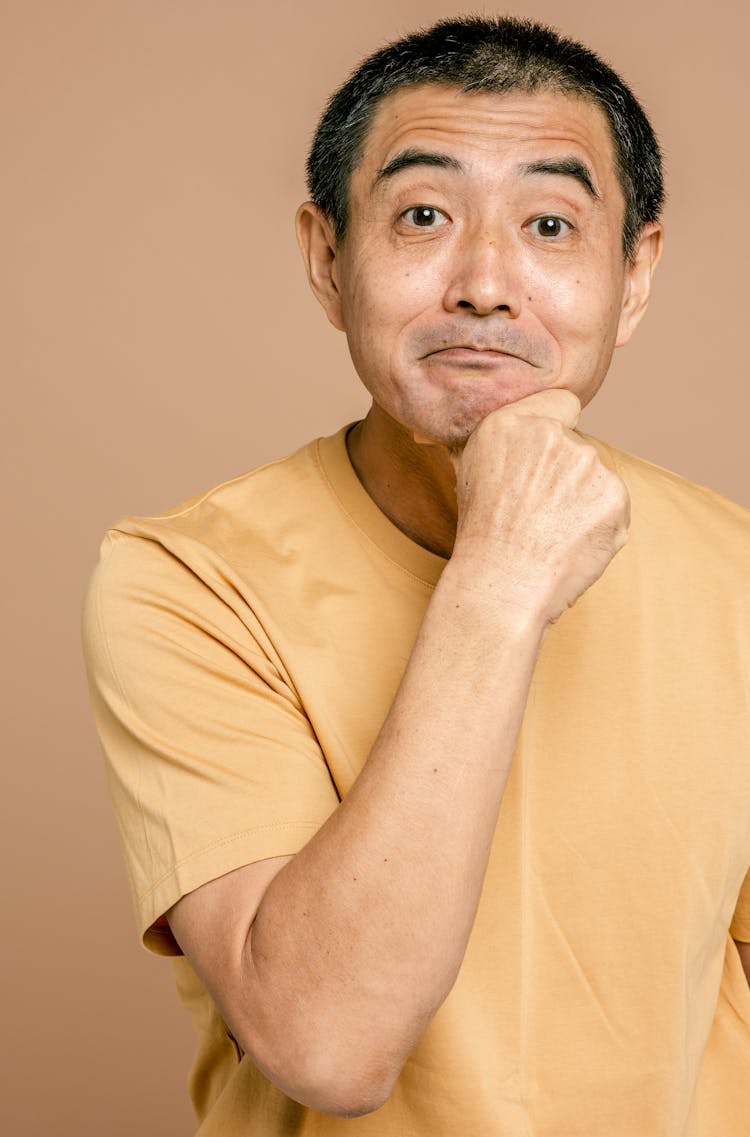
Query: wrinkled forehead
[488, 124]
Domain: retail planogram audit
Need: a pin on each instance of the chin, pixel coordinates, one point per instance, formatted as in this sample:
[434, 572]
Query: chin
[452, 426]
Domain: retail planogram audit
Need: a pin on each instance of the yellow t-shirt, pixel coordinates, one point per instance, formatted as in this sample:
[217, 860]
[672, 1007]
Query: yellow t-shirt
[244, 650]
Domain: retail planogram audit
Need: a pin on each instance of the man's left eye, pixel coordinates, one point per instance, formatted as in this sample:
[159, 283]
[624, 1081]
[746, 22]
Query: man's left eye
[424, 216]
[550, 226]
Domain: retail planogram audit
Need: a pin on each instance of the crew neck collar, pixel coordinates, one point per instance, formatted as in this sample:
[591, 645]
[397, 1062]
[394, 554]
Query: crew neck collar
[368, 517]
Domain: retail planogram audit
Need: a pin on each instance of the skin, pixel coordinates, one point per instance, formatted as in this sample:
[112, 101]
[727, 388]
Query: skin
[744, 950]
[483, 274]
[473, 452]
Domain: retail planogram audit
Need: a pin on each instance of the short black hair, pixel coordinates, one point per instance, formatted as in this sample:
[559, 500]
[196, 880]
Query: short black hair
[493, 55]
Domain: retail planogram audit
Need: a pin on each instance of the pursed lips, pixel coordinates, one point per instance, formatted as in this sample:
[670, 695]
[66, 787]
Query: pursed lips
[494, 344]
[473, 353]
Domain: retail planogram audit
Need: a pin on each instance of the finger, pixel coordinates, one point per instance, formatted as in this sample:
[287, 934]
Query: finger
[557, 403]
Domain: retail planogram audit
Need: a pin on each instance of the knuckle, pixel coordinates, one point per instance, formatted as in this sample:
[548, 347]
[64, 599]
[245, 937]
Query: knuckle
[620, 494]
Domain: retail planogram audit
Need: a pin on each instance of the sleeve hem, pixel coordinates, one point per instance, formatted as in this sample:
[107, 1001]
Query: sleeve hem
[284, 839]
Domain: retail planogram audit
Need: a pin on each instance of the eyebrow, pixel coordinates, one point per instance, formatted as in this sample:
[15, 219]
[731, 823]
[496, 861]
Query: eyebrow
[569, 167]
[412, 157]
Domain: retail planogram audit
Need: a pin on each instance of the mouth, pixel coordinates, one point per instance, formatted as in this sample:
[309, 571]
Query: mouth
[473, 355]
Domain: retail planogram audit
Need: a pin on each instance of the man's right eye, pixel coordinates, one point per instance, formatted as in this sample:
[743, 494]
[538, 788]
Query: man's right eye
[424, 216]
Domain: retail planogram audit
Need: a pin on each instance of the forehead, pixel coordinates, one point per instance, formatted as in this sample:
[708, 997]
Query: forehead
[490, 127]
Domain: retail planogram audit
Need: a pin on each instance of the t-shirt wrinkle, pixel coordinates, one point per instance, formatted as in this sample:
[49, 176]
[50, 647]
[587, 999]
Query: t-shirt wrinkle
[104, 643]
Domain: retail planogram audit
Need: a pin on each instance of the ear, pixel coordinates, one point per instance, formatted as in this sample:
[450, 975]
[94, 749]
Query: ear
[638, 276]
[318, 247]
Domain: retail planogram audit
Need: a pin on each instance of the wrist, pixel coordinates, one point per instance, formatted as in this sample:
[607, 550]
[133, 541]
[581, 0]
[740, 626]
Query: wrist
[493, 598]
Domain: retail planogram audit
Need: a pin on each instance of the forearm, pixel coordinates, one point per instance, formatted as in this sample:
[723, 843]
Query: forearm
[359, 939]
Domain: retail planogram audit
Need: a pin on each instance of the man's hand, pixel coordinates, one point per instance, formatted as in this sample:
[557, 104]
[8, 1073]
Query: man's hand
[538, 512]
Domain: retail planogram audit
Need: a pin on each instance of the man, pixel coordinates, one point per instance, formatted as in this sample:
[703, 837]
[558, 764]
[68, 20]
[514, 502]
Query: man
[440, 787]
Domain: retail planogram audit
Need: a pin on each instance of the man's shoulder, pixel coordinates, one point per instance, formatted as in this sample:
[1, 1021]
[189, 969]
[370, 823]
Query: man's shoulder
[258, 488]
[687, 521]
[269, 503]
[673, 492]
[233, 538]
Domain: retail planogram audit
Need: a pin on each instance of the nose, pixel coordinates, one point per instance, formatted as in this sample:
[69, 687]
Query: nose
[484, 277]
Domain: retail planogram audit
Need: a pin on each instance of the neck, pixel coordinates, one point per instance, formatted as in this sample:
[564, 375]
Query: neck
[413, 484]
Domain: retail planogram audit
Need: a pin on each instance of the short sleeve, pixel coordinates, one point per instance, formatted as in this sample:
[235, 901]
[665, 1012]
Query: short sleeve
[212, 762]
[740, 926]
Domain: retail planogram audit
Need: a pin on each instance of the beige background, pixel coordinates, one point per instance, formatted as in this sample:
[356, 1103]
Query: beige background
[158, 337]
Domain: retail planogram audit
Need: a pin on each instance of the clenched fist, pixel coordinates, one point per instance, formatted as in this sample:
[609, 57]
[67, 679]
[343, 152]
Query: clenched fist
[539, 516]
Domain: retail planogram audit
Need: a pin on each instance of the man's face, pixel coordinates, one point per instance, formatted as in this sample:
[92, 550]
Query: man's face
[483, 260]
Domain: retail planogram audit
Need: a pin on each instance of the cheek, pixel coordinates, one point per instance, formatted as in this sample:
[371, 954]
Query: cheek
[578, 306]
[380, 299]
[579, 311]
